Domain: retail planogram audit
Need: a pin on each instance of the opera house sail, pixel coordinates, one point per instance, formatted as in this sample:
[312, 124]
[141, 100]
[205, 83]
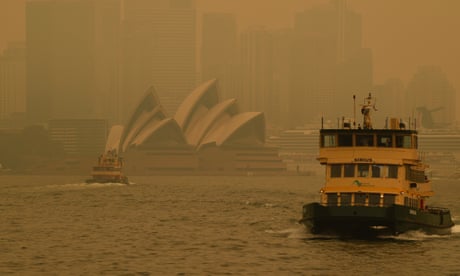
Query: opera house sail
[206, 135]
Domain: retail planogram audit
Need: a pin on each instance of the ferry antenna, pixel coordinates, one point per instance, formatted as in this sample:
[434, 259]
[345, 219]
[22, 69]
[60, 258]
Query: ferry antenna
[354, 111]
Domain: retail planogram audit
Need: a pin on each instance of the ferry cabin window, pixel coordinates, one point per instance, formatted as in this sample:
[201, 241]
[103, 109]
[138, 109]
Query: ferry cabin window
[415, 175]
[345, 199]
[392, 171]
[107, 169]
[364, 140]
[349, 170]
[328, 141]
[389, 199]
[411, 202]
[360, 199]
[332, 199]
[384, 141]
[363, 170]
[336, 170]
[374, 199]
[345, 140]
[403, 141]
[415, 203]
[376, 171]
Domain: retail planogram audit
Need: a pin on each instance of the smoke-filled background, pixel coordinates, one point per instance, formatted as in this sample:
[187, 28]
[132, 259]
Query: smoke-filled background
[403, 35]
[81, 63]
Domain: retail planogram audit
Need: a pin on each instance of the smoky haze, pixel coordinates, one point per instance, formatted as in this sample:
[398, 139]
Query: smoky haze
[403, 35]
[208, 137]
[296, 61]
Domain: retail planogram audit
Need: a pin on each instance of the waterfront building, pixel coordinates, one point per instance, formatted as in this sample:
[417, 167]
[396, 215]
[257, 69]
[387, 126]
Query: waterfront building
[79, 137]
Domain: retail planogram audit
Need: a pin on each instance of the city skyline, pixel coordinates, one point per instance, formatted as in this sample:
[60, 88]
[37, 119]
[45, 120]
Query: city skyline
[386, 26]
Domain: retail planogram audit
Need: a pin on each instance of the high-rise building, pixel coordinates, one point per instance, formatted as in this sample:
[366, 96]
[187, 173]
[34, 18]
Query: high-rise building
[265, 73]
[279, 109]
[391, 99]
[107, 72]
[12, 82]
[431, 97]
[256, 69]
[159, 50]
[219, 51]
[72, 59]
[330, 64]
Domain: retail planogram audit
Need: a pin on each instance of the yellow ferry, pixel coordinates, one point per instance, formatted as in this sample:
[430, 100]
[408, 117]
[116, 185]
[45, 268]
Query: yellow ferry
[108, 169]
[375, 183]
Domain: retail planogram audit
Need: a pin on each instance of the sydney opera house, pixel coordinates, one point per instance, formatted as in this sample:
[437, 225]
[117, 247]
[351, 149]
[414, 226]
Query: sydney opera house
[206, 135]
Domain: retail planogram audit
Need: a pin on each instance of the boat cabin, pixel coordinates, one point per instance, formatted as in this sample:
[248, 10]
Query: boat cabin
[373, 167]
[375, 181]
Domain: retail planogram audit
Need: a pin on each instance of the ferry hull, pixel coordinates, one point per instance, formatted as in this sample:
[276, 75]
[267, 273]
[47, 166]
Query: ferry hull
[121, 180]
[374, 220]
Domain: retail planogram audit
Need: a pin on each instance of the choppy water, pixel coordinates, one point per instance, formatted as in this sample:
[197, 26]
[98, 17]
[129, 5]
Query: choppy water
[198, 225]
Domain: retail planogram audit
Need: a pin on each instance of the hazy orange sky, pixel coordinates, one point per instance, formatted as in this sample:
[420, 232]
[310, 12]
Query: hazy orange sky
[403, 34]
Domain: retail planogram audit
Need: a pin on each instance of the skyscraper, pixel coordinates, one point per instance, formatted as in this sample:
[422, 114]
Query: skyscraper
[256, 69]
[12, 81]
[72, 58]
[265, 72]
[431, 96]
[159, 50]
[107, 42]
[279, 110]
[219, 51]
[330, 64]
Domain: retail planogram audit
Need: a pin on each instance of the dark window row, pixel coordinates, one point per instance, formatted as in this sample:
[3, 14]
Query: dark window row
[364, 170]
[364, 199]
[415, 175]
[368, 140]
[106, 169]
[411, 202]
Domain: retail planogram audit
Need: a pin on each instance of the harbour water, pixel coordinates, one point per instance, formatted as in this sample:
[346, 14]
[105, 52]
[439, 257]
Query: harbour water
[57, 225]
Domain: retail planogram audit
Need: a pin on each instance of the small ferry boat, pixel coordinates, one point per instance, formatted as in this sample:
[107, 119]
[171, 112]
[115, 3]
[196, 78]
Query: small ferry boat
[108, 169]
[375, 182]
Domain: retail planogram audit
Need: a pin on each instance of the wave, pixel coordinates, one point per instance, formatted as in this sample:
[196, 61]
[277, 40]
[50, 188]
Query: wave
[290, 233]
[456, 229]
[260, 204]
[418, 235]
[84, 185]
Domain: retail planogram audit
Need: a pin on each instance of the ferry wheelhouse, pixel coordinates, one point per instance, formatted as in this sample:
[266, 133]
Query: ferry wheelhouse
[375, 182]
[108, 169]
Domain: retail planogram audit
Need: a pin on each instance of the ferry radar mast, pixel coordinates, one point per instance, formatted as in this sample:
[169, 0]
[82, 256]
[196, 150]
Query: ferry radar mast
[369, 103]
